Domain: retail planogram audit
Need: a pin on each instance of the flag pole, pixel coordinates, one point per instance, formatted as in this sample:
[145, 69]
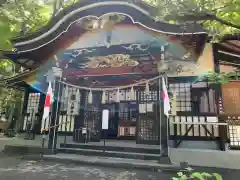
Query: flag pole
[167, 119]
[43, 143]
[54, 75]
[160, 111]
[57, 116]
[163, 121]
[46, 112]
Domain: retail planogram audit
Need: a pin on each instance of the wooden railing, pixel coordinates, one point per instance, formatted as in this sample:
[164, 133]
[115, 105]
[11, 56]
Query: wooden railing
[195, 128]
[232, 131]
[224, 128]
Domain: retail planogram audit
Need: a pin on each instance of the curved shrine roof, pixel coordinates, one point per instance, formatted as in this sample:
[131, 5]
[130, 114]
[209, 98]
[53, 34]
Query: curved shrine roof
[80, 18]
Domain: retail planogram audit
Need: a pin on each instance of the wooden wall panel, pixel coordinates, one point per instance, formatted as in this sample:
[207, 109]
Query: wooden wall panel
[231, 97]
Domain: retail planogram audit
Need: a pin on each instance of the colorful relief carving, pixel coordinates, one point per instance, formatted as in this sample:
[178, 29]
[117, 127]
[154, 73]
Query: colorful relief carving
[114, 60]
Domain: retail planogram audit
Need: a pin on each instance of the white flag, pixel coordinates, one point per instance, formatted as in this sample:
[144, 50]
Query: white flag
[166, 99]
[46, 111]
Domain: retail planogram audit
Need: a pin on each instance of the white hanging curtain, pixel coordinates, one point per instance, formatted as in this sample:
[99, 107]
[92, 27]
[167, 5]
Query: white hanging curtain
[103, 97]
[90, 98]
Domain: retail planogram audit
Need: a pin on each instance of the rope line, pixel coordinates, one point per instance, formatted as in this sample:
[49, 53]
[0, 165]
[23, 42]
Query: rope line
[111, 88]
[46, 129]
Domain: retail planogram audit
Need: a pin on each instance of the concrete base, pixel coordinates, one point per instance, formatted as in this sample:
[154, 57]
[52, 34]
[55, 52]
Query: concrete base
[165, 160]
[206, 158]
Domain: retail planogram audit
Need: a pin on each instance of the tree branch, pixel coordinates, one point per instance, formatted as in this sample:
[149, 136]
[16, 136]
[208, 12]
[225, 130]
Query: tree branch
[191, 14]
[222, 7]
[226, 22]
[206, 16]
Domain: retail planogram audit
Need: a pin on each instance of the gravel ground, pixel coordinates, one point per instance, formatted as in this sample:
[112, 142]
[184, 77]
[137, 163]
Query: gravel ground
[12, 168]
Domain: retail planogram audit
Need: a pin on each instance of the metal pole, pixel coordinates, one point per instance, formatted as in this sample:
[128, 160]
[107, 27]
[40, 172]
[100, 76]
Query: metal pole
[167, 121]
[65, 128]
[164, 157]
[43, 143]
[56, 116]
[160, 114]
[50, 120]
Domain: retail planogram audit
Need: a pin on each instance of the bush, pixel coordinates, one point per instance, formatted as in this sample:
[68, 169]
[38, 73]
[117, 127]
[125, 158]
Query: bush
[185, 175]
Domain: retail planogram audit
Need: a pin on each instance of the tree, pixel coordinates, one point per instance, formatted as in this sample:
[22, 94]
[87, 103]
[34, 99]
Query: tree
[219, 17]
[18, 17]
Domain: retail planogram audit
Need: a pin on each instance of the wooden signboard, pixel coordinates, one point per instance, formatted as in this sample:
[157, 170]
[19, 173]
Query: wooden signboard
[231, 97]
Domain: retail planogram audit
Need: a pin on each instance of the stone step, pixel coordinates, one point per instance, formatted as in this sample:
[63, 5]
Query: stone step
[116, 154]
[107, 162]
[149, 150]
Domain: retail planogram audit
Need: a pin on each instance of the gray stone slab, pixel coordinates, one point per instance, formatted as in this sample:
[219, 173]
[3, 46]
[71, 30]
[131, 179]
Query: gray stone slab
[112, 162]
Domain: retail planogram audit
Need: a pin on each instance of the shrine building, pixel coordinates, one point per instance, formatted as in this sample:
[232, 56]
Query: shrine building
[112, 55]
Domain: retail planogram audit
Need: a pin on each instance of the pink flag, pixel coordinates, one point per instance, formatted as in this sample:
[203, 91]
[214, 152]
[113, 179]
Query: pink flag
[47, 105]
[166, 99]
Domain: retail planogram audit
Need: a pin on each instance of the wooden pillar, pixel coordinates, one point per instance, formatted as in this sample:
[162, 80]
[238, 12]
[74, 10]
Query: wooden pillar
[24, 107]
[25, 100]
[40, 112]
[97, 101]
[222, 129]
[116, 121]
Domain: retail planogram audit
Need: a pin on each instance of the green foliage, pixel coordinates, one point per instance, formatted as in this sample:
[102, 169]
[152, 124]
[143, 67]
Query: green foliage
[219, 17]
[9, 97]
[26, 16]
[222, 77]
[69, 2]
[17, 18]
[197, 176]
[21, 16]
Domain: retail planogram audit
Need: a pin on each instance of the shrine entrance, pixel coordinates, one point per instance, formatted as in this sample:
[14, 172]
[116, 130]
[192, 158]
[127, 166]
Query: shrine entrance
[112, 131]
[133, 112]
[128, 114]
